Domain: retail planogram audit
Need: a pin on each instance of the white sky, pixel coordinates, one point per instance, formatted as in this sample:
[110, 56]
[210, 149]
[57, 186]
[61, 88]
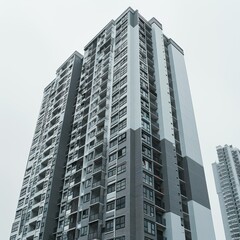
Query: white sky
[37, 36]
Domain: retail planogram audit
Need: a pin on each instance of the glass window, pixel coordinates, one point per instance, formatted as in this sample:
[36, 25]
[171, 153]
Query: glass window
[86, 197]
[120, 238]
[120, 222]
[112, 172]
[114, 118]
[113, 143]
[122, 138]
[122, 124]
[121, 185]
[122, 152]
[113, 157]
[109, 226]
[146, 151]
[148, 179]
[146, 138]
[89, 169]
[148, 193]
[121, 168]
[149, 227]
[111, 188]
[124, 80]
[85, 213]
[145, 125]
[114, 107]
[120, 203]
[147, 164]
[83, 231]
[148, 209]
[123, 90]
[88, 183]
[122, 112]
[114, 130]
[110, 206]
[123, 101]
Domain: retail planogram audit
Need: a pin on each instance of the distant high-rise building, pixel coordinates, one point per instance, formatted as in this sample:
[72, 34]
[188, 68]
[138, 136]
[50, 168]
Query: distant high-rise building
[227, 180]
[116, 154]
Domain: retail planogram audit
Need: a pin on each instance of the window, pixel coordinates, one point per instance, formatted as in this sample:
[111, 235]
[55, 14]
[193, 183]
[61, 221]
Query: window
[113, 157]
[144, 103]
[115, 97]
[146, 138]
[110, 206]
[123, 101]
[121, 168]
[89, 169]
[123, 90]
[144, 84]
[15, 226]
[145, 114]
[149, 227]
[115, 87]
[90, 156]
[122, 152]
[114, 107]
[121, 185]
[122, 112]
[148, 193]
[120, 222]
[146, 151]
[120, 238]
[88, 183]
[114, 118]
[148, 209]
[144, 93]
[111, 188]
[148, 179]
[147, 164]
[123, 81]
[120, 203]
[112, 172]
[23, 192]
[13, 237]
[122, 124]
[145, 125]
[114, 130]
[113, 143]
[122, 138]
[109, 226]
[20, 202]
[85, 213]
[86, 197]
[83, 231]
[18, 213]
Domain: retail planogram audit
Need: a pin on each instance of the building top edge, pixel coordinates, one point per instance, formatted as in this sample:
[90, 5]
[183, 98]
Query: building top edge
[176, 45]
[154, 20]
[75, 53]
[99, 33]
[129, 9]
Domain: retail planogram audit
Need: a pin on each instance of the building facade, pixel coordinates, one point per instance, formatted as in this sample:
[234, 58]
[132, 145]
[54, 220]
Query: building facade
[116, 153]
[227, 180]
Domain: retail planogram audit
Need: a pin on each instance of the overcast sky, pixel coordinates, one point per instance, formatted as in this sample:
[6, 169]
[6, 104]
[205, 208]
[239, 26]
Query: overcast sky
[37, 36]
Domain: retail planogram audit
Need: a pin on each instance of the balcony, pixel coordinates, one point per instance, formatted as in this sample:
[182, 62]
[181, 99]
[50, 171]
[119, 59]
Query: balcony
[94, 217]
[98, 183]
[94, 236]
[160, 220]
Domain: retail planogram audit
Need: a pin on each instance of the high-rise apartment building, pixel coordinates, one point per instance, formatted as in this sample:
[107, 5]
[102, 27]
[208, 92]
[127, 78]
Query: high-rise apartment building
[116, 153]
[227, 180]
